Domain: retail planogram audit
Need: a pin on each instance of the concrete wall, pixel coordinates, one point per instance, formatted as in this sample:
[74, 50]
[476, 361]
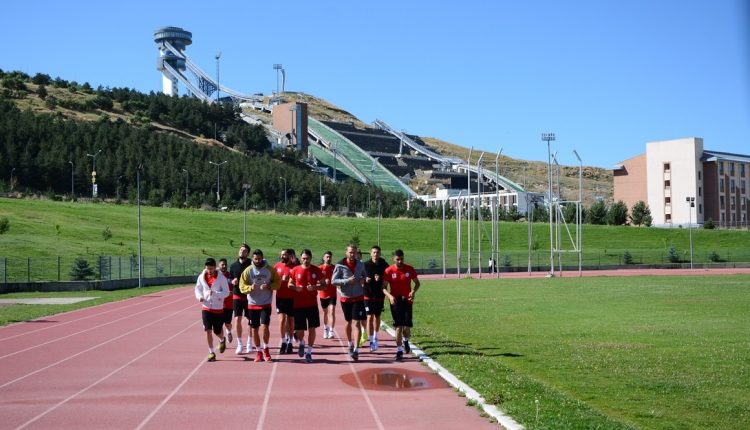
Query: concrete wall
[24, 287]
[667, 202]
[630, 182]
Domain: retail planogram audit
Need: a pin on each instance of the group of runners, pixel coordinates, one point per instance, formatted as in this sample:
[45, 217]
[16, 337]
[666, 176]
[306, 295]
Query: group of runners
[247, 288]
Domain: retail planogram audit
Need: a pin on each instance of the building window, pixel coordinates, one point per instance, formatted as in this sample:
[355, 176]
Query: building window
[699, 175]
[721, 167]
[721, 185]
[700, 208]
[700, 191]
[666, 184]
[742, 170]
[666, 167]
[732, 201]
[742, 186]
[744, 204]
[721, 202]
[731, 186]
[731, 169]
[667, 201]
[668, 218]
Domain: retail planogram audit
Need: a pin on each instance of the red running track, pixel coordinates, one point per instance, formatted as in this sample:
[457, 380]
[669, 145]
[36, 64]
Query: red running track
[140, 363]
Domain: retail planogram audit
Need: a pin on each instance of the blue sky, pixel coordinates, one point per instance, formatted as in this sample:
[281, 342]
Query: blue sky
[605, 76]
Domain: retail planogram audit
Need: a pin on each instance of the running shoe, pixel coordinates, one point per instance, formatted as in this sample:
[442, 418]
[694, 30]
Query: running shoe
[266, 354]
[363, 338]
[376, 344]
[407, 348]
[290, 348]
[399, 355]
[238, 351]
[229, 336]
[282, 348]
[222, 346]
[301, 349]
[308, 357]
[258, 357]
[248, 348]
[325, 333]
[211, 357]
[355, 355]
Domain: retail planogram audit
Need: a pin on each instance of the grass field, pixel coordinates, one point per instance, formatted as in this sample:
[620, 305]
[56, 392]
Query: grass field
[608, 353]
[41, 231]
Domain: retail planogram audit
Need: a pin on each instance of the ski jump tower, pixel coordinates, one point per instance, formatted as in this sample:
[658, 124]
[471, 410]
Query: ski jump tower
[173, 63]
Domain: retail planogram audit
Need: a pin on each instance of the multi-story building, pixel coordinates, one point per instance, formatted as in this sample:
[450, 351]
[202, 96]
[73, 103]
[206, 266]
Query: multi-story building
[683, 183]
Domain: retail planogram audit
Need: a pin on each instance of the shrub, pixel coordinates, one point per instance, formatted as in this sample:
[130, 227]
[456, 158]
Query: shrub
[81, 271]
[106, 234]
[673, 255]
[714, 257]
[709, 224]
[4, 225]
[627, 258]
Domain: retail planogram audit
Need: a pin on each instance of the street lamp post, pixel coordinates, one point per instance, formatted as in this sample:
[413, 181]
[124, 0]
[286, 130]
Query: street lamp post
[691, 203]
[117, 187]
[479, 214]
[93, 173]
[348, 210]
[285, 198]
[277, 67]
[548, 137]
[245, 187]
[187, 185]
[72, 191]
[496, 244]
[579, 215]
[218, 90]
[468, 212]
[218, 178]
[140, 246]
[11, 178]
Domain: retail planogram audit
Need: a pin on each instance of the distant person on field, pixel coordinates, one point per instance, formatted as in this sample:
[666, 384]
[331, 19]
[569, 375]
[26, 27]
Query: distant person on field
[328, 296]
[259, 281]
[349, 278]
[239, 300]
[211, 289]
[306, 280]
[228, 304]
[398, 278]
[374, 297]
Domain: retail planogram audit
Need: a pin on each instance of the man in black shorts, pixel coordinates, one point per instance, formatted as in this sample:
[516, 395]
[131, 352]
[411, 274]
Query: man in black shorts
[349, 277]
[374, 297]
[239, 301]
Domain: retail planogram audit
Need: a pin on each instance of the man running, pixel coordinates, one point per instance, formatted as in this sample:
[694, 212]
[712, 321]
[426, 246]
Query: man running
[239, 300]
[259, 281]
[348, 277]
[210, 290]
[306, 280]
[228, 304]
[399, 277]
[285, 302]
[374, 297]
[328, 296]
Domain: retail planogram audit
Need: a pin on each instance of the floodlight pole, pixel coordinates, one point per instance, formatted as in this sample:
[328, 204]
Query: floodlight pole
[245, 187]
[444, 256]
[187, 179]
[548, 137]
[558, 233]
[468, 213]
[691, 203]
[479, 214]
[497, 215]
[579, 215]
[277, 67]
[93, 172]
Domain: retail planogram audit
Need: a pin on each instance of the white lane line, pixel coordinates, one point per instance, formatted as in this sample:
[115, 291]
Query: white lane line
[103, 378]
[96, 346]
[26, 333]
[93, 328]
[264, 409]
[362, 390]
[169, 397]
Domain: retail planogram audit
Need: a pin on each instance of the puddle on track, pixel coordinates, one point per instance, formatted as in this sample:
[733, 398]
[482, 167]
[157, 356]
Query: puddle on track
[395, 379]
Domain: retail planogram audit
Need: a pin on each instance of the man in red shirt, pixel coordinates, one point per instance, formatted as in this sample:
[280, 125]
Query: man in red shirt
[285, 301]
[398, 278]
[228, 304]
[349, 278]
[328, 296]
[306, 280]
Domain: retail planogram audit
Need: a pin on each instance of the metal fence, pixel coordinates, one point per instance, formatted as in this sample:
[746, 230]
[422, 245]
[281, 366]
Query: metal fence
[102, 268]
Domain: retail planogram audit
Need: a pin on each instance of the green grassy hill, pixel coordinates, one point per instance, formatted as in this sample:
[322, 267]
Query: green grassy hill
[42, 230]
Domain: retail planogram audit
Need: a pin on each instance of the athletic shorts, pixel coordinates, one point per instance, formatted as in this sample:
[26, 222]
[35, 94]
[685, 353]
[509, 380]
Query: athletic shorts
[256, 317]
[240, 308]
[285, 306]
[401, 312]
[213, 322]
[354, 311]
[228, 316]
[324, 303]
[374, 307]
[305, 318]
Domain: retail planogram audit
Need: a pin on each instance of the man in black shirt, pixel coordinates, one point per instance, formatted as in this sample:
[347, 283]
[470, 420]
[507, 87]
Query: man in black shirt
[240, 300]
[374, 269]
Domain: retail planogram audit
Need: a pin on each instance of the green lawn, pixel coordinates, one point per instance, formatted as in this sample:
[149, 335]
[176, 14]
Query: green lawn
[610, 353]
[176, 240]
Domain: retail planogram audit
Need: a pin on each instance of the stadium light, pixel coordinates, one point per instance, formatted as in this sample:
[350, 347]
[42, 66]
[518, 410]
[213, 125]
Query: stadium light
[277, 67]
[548, 137]
[218, 178]
[691, 204]
[579, 214]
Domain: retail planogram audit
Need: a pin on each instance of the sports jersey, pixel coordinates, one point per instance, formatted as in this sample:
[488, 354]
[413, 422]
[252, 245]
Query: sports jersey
[252, 279]
[330, 290]
[400, 280]
[283, 271]
[349, 291]
[229, 299]
[235, 270]
[212, 289]
[374, 289]
[303, 277]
